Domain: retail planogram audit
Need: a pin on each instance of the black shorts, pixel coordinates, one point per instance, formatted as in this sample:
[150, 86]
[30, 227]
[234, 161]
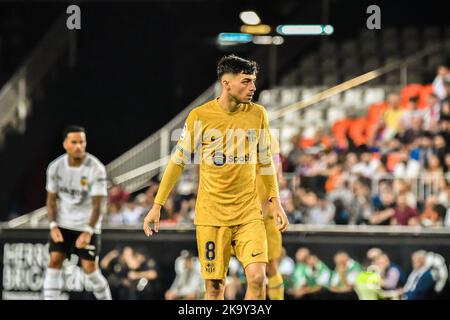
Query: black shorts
[90, 252]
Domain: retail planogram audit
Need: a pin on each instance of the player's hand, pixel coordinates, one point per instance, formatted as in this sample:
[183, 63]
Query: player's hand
[280, 215]
[56, 235]
[83, 240]
[152, 218]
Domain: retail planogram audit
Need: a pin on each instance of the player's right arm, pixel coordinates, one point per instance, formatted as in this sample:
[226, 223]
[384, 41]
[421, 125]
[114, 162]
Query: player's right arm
[55, 233]
[186, 146]
[52, 210]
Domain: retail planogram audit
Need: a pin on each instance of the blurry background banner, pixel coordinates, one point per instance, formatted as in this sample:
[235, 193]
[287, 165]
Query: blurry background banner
[24, 256]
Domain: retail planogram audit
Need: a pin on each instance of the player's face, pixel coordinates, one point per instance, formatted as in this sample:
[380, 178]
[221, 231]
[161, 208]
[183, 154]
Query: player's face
[75, 145]
[242, 87]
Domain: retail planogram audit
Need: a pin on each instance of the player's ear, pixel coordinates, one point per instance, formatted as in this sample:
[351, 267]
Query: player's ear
[225, 83]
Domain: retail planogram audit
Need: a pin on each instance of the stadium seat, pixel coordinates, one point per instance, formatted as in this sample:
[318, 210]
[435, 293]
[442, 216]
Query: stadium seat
[339, 130]
[410, 91]
[357, 131]
[375, 111]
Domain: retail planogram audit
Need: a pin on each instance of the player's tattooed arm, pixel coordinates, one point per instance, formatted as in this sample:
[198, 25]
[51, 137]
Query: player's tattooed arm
[55, 233]
[96, 210]
[51, 206]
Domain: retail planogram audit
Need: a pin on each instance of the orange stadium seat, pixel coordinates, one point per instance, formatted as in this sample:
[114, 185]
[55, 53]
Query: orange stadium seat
[408, 92]
[357, 131]
[375, 111]
[423, 97]
[392, 160]
[339, 130]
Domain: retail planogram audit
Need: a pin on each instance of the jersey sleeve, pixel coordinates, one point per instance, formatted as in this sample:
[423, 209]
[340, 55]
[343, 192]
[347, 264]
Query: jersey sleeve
[52, 179]
[99, 182]
[266, 168]
[185, 148]
[188, 140]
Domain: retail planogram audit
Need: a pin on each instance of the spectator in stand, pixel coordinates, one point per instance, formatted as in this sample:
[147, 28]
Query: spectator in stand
[433, 173]
[414, 131]
[438, 82]
[341, 192]
[420, 283]
[406, 167]
[341, 212]
[183, 208]
[447, 218]
[383, 205]
[444, 131]
[361, 209]
[404, 187]
[146, 199]
[433, 216]
[299, 277]
[129, 272]
[424, 149]
[284, 191]
[440, 149]
[392, 275]
[321, 211]
[403, 214]
[367, 165]
[132, 213]
[304, 281]
[114, 217]
[411, 113]
[344, 276]
[117, 195]
[392, 115]
[443, 195]
[372, 256]
[432, 113]
[295, 153]
[286, 267]
[294, 215]
[321, 275]
[188, 283]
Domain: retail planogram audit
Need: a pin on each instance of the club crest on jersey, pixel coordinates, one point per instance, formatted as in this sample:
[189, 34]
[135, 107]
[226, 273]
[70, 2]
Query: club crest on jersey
[83, 181]
[210, 267]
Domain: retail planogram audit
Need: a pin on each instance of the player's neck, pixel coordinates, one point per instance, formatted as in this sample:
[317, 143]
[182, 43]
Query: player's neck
[228, 104]
[76, 162]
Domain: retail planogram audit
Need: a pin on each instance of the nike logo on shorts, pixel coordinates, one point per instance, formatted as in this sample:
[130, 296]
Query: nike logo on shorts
[256, 254]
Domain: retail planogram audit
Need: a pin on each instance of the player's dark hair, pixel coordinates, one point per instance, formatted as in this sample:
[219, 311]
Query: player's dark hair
[72, 128]
[235, 65]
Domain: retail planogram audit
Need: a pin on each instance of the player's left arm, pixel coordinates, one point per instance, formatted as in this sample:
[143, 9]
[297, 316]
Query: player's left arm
[268, 174]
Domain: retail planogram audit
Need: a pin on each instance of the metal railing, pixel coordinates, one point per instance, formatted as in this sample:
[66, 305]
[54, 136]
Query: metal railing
[15, 95]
